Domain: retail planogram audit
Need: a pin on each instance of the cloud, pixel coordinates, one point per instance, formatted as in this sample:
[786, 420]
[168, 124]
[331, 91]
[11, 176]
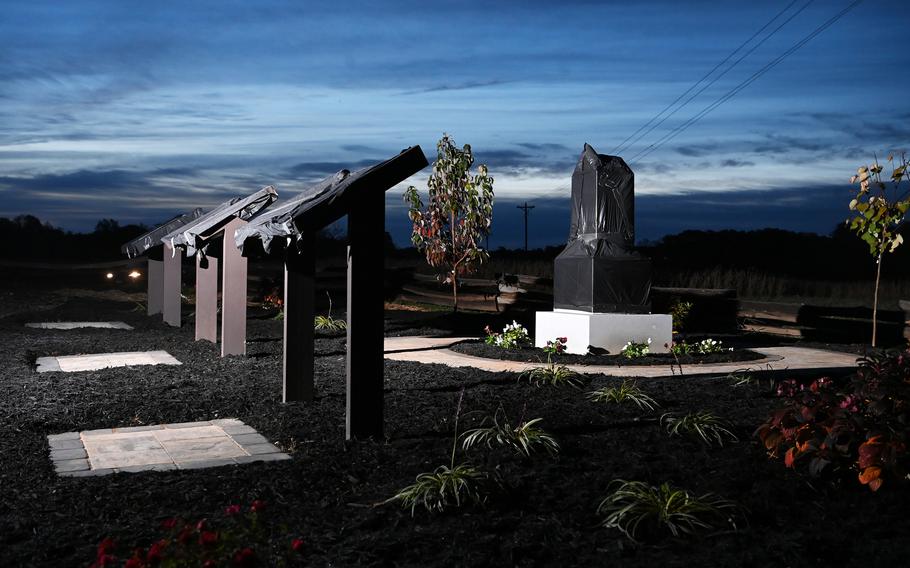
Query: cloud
[696, 150]
[362, 148]
[545, 147]
[76, 200]
[732, 163]
[456, 86]
[781, 144]
[319, 170]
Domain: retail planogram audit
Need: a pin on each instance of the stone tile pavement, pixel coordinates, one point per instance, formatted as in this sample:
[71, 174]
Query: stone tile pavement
[79, 324]
[189, 445]
[74, 363]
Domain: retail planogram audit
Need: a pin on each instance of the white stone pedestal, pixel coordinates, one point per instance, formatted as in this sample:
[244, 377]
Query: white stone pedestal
[607, 331]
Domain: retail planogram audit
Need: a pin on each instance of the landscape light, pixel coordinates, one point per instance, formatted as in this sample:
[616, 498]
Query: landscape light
[134, 274]
[109, 275]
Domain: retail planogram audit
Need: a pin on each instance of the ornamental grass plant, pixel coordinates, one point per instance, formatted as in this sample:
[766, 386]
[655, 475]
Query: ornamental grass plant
[638, 509]
[627, 392]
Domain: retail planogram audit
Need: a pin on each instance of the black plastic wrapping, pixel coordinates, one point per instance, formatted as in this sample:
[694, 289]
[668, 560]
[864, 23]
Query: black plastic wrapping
[598, 271]
[327, 201]
[145, 243]
[195, 235]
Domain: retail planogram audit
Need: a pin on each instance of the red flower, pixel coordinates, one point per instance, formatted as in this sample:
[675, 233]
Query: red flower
[106, 546]
[155, 552]
[106, 560]
[245, 557]
[169, 523]
[208, 538]
[202, 525]
[232, 510]
[297, 545]
[135, 561]
[185, 535]
[257, 506]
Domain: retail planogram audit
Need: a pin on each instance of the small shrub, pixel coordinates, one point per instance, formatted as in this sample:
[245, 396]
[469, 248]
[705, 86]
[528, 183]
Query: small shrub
[703, 347]
[555, 347]
[231, 541]
[628, 391]
[633, 507]
[513, 336]
[273, 299]
[862, 430]
[633, 350]
[328, 323]
[446, 487]
[709, 346]
[553, 374]
[702, 425]
[680, 312]
[741, 379]
[524, 438]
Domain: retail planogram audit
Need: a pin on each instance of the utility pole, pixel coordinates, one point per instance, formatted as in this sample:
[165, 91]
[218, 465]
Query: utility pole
[526, 207]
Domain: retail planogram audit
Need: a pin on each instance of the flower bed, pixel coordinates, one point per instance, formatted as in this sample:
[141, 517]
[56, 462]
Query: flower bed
[536, 355]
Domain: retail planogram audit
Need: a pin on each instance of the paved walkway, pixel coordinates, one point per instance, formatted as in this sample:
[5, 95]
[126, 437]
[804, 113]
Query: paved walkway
[434, 350]
[189, 445]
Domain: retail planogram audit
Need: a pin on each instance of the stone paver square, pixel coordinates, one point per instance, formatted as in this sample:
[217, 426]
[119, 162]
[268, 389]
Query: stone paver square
[202, 449]
[79, 324]
[190, 433]
[121, 443]
[94, 362]
[126, 459]
[159, 447]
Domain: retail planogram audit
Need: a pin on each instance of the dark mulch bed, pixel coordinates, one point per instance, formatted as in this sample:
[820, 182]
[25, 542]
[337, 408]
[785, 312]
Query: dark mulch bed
[544, 517]
[535, 355]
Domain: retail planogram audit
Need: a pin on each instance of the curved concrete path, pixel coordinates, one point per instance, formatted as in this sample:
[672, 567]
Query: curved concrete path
[435, 350]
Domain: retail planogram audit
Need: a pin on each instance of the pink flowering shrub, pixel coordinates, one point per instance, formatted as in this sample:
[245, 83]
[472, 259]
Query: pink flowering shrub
[229, 542]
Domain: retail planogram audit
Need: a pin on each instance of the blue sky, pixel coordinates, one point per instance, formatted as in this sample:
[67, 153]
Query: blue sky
[135, 110]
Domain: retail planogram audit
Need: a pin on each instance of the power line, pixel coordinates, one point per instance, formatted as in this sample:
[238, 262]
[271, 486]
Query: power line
[622, 145]
[751, 79]
[526, 208]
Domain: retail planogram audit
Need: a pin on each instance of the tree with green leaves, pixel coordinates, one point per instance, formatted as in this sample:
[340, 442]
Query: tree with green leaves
[878, 215]
[458, 216]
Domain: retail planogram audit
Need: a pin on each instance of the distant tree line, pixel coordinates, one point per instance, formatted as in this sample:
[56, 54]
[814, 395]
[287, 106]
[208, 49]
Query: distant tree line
[27, 238]
[839, 256]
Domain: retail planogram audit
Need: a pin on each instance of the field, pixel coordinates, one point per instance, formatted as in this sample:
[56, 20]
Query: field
[542, 514]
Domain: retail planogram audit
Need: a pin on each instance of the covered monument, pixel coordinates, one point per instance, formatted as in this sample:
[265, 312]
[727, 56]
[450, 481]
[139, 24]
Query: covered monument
[598, 271]
[601, 286]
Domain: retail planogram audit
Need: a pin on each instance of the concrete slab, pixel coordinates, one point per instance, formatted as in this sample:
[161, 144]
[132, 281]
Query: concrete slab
[159, 447]
[79, 324]
[433, 350]
[75, 363]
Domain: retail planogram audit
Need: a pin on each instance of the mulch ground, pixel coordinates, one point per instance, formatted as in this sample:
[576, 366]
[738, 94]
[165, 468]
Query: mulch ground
[544, 516]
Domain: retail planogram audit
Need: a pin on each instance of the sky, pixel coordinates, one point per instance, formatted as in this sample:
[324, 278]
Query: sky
[139, 110]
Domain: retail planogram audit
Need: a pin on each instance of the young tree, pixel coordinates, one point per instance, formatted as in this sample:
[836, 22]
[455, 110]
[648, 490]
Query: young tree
[878, 216]
[458, 215]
